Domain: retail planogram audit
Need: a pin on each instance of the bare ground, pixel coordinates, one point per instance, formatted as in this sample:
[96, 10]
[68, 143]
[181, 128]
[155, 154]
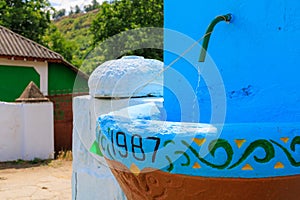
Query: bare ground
[40, 180]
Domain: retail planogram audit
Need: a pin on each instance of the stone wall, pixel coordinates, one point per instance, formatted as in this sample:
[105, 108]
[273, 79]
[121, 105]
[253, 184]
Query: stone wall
[26, 131]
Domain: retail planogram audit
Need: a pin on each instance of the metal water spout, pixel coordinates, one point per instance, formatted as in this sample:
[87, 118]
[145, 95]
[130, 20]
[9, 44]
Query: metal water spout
[209, 31]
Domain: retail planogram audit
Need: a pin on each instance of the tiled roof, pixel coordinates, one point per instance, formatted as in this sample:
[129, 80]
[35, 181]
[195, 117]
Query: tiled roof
[13, 45]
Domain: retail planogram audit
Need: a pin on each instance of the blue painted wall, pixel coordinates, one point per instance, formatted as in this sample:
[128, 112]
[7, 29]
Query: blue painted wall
[257, 56]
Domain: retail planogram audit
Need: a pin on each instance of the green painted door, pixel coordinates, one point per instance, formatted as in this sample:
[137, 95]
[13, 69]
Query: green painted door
[13, 81]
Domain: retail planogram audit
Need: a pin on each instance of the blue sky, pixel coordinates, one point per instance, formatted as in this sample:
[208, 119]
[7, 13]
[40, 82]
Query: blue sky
[59, 4]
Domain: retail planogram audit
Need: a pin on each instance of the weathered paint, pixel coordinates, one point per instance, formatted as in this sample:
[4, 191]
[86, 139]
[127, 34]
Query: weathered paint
[130, 76]
[62, 80]
[251, 158]
[14, 79]
[257, 56]
[157, 184]
[254, 150]
[92, 179]
[90, 170]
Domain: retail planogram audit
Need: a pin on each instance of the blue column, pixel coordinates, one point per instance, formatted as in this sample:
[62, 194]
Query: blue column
[256, 56]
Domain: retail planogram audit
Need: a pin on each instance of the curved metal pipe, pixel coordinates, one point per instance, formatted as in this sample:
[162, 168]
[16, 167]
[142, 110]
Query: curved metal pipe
[208, 32]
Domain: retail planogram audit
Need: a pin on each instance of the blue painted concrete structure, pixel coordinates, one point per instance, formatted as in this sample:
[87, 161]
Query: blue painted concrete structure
[257, 57]
[249, 80]
[137, 138]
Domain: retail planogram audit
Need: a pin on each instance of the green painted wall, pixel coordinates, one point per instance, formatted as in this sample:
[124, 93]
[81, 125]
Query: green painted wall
[13, 81]
[61, 80]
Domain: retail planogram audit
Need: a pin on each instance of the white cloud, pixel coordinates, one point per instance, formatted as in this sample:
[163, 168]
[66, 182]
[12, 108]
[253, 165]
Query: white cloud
[67, 4]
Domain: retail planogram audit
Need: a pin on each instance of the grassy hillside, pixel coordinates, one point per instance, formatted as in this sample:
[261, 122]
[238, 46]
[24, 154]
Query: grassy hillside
[109, 25]
[75, 28]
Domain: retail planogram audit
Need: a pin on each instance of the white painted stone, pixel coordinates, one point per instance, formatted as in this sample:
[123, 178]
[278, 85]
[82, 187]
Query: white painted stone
[11, 125]
[145, 111]
[120, 84]
[92, 179]
[104, 190]
[26, 131]
[38, 130]
[130, 76]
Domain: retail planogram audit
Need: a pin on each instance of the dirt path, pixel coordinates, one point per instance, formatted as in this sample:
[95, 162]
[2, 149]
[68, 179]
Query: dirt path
[27, 181]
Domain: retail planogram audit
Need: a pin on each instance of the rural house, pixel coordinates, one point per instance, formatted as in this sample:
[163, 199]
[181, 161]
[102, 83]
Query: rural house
[22, 61]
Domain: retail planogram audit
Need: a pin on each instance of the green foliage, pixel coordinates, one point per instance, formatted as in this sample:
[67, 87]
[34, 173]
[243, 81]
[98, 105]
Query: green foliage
[120, 16]
[58, 14]
[100, 34]
[30, 18]
[57, 42]
[77, 9]
[75, 30]
[125, 15]
[71, 12]
[146, 42]
[92, 6]
[77, 37]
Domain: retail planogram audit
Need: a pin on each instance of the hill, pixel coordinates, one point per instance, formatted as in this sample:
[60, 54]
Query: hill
[75, 28]
[87, 40]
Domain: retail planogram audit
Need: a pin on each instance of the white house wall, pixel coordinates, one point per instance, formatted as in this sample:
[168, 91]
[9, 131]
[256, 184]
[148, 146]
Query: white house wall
[40, 67]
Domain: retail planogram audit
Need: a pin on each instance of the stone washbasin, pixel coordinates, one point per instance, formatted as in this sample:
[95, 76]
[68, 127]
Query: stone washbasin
[156, 159]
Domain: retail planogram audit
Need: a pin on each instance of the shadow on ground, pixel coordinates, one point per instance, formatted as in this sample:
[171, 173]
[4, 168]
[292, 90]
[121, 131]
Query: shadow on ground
[21, 164]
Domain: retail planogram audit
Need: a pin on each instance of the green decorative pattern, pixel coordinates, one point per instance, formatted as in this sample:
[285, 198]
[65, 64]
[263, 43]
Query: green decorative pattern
[198, 155]
[218, 144]
[168, 142]
[188, 160]
[266, 145]
[171, 166]
[296, 141]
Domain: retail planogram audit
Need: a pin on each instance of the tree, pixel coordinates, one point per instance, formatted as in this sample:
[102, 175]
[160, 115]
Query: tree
[119, 16]
[87, 8]
[71, 11]
[110, 38]
[95, 4]
[77, 9]
[30, 18]
[92, 6]
[58, 14]
[56, 42]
